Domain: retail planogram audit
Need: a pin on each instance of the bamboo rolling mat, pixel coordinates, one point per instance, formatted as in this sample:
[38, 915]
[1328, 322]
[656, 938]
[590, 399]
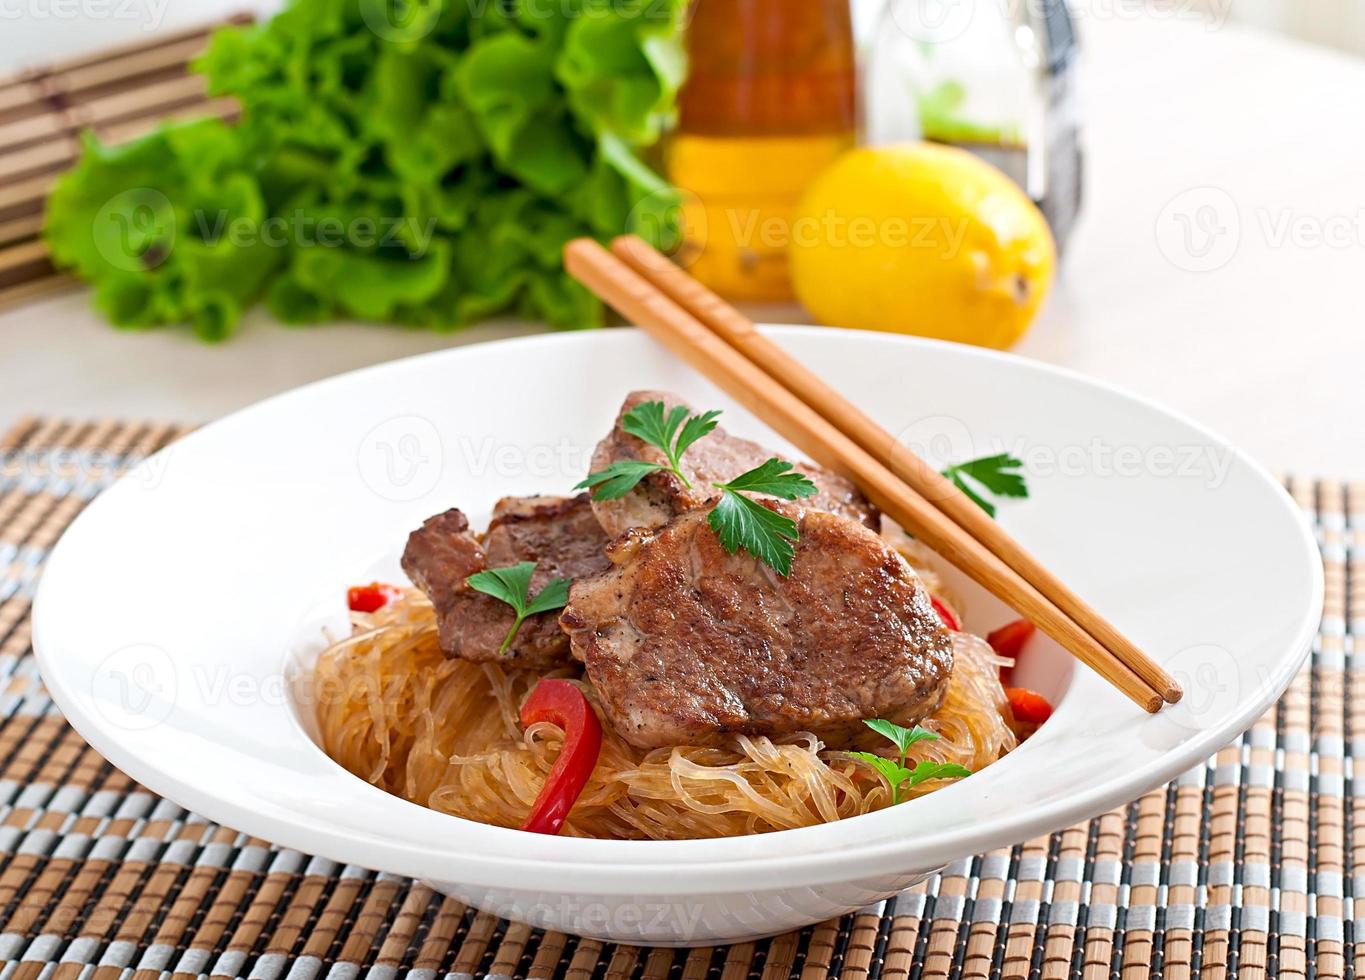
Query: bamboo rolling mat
[118, 93]
[1246, 866]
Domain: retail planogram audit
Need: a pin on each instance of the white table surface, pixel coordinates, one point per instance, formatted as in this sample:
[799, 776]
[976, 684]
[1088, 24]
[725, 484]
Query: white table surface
[1187, 124]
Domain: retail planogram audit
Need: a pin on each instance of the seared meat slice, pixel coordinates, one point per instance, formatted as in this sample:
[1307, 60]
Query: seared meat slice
[686, 644]
[558, 532]
[718, 458]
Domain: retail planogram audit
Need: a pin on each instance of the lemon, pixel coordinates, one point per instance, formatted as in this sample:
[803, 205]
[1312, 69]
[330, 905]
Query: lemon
[921, 239]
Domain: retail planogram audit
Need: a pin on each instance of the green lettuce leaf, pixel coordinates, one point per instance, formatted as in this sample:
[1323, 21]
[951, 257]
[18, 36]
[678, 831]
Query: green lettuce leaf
[449, 149]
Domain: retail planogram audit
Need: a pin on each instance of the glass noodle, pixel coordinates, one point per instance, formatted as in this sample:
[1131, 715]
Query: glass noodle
[443, 732]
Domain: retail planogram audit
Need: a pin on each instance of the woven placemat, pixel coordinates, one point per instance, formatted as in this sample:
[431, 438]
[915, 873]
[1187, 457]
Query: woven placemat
[118, 94]
[1245, 866]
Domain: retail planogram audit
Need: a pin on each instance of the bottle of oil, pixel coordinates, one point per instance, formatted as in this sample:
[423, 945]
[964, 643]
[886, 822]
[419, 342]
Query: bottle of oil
[996, 79]
[768, 103]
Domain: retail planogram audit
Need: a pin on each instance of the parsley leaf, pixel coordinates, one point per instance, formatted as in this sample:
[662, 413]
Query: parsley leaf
[742, 522]
[512, 585]
[555, 595]
[671, 431]
[776, 478]
[889, 769]
[655, 424]
[696, 427]
[902, 737]
[738, 520]
[618, 479]
[897, 773]
[926, 770]
[996, 475]
[975, 497]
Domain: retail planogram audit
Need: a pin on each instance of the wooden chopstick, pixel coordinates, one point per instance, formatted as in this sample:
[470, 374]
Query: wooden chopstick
[655, 312]
[739, 332]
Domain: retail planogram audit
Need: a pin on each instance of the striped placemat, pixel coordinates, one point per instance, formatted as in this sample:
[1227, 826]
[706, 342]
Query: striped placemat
[1246, 866]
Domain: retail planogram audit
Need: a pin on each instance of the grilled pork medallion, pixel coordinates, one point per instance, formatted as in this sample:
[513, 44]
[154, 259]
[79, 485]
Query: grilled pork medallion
[718, 458]
[687, 645]
[560, 533]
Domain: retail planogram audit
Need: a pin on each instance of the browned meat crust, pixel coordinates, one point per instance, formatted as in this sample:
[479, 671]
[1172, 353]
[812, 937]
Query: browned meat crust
[687, 645]
[559, 533]
[715, 459]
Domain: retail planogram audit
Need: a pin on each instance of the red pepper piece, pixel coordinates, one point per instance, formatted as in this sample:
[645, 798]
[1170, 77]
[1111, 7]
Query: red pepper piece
[1029, 707]
[368, 598]
[562, 704]
[945, 614]
[1008, 641]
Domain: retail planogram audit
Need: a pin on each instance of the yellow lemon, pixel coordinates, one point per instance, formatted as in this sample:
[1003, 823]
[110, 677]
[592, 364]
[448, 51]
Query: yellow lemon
[921, 239]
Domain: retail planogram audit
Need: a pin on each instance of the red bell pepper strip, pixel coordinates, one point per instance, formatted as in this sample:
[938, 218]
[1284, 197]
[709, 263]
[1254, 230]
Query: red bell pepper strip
[945, 614]
[368, 598]
[1029, 707]
[562, 704]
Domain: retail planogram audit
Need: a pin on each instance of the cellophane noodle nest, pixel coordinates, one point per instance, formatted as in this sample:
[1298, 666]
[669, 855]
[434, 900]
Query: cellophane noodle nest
[444, 732]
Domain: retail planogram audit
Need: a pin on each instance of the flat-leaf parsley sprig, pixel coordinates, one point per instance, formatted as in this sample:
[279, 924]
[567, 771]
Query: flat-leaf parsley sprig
[995, 475]
[671, 431]
[896, 773]
[512, 585]
[738, 520]
[742, 522]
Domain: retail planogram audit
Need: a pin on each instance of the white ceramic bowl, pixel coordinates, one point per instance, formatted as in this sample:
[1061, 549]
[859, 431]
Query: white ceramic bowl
[177, 615]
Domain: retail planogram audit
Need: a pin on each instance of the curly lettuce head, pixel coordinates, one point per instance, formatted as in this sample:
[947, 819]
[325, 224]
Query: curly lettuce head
[420, 163]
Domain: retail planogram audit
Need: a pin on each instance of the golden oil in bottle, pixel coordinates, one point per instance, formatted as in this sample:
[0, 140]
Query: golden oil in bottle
[769, 103]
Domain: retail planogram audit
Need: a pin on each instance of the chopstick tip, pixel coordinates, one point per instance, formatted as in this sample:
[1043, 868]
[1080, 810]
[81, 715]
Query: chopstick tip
[1173, 693]
[578, 246]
